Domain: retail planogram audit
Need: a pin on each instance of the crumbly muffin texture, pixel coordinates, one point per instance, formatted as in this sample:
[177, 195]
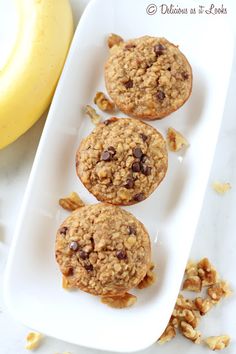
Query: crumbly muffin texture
[122, 161]
[103, 250]
[148, 77]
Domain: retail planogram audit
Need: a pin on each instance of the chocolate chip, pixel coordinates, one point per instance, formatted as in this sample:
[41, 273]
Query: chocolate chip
[159, 49]
[106, 156]
[129, 84]
[111, 150]
[144, 137]
[185, 75]
[169, 69]
[63, 230]
[74, 246]
[136, 167]
[146, 170]
[130, 46]
[129, 183]
[132, 230]
[121, 254]
[92, 242]
[160, 95]
[137, 152]
[88, 267]
[139, 197]
[110, 120]
[83, 255]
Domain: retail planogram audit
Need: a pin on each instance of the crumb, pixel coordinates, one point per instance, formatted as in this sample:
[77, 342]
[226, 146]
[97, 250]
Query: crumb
[104, 103]
[33, 340]
[221, 188]
[95, 118]
[72, 202]
[119, 302]
[175, 140]
[217, 342]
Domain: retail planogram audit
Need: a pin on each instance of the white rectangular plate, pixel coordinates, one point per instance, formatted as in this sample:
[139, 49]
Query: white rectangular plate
[33, 282]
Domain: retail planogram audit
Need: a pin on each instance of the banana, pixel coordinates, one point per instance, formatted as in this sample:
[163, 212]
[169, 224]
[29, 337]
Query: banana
[29, 77]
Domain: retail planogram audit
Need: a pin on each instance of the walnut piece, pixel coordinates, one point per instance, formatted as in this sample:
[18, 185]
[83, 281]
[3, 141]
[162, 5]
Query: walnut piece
[175, 140]
[192, 283]
[207, 272]
[72, 202]
[221, 188]
[167, 335]
[174, 321]
[203, 305]
[186, 315]
[104, 103]
[65, 283]
[217, 342]
[119, 302]
[114, 39]
[189, 332]
[191, 268]
[218, 291]
[184, 303]
[90, 111]
[149, 278]
[33, 340]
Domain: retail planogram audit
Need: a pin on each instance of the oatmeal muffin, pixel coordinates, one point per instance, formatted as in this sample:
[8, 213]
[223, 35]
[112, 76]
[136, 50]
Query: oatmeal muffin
[122, 161]
[148, 77]
[103, 250]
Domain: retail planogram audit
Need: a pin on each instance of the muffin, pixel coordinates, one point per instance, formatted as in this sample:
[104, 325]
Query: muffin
[148, 77]
[122, 161]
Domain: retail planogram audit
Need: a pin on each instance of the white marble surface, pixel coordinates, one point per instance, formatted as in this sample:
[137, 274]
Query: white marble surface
[215, 235]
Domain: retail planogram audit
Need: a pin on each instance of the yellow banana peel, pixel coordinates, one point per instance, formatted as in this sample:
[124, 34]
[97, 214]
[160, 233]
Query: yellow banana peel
[29, 77]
